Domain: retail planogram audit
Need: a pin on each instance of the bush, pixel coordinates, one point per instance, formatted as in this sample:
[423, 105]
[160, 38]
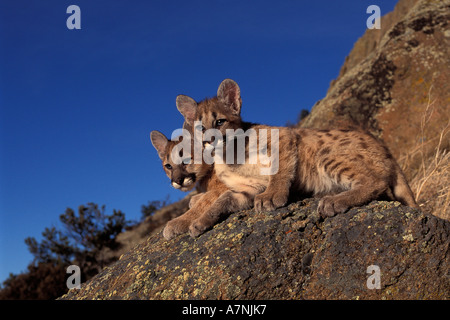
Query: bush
[82, 241]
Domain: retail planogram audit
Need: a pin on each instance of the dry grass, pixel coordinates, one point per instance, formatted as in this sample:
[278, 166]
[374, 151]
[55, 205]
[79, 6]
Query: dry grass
[429, 165]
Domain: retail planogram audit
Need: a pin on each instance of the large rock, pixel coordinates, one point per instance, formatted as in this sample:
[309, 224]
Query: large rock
[396, 82]
[290, 253]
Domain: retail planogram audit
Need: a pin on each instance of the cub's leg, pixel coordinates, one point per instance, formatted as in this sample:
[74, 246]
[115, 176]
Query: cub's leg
[181, 224]
[194, 199]
[362, 191]
[228, 202]
[277, 192]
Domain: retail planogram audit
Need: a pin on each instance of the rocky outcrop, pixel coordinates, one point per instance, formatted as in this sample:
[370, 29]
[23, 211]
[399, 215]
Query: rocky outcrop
[396, 81]
[290, 253]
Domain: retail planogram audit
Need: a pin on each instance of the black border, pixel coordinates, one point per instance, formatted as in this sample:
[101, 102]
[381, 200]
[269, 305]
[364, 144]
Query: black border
[163, 309]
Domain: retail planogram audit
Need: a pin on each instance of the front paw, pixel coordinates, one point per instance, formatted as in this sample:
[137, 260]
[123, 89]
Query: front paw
[268, 201]
[200, 226]
[329, 206]
[175, 227]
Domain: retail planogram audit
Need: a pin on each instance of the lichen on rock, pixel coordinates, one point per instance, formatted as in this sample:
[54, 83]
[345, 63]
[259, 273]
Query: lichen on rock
[290, 253]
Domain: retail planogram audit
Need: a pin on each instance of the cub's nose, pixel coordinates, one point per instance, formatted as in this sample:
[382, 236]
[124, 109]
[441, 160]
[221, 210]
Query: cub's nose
[178, 182]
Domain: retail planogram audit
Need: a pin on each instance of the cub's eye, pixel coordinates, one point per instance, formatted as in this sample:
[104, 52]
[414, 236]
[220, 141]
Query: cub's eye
[220, 122]
[168, 166]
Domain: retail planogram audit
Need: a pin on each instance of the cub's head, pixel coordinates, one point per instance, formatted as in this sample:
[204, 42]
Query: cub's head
[222, 112]
[184, 175]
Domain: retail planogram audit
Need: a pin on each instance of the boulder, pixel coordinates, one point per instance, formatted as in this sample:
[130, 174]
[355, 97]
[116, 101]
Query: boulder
[395, 83]
[290, 253]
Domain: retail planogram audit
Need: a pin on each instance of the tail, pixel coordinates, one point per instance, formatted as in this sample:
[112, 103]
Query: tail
[402, 191]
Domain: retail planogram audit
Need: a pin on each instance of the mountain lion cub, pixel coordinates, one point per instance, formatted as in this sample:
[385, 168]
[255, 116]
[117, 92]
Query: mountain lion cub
[207, 207]
[345, 168]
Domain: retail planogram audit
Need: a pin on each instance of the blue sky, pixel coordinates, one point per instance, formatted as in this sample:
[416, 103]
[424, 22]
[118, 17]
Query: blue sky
[77, 106]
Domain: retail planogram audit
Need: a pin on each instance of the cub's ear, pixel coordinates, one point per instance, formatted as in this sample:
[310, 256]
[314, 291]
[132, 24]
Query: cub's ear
[159, 141]
[230, 94]
[187, 107]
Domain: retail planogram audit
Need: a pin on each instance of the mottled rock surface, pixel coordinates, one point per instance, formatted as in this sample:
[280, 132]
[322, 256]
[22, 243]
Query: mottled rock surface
[290, 253]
